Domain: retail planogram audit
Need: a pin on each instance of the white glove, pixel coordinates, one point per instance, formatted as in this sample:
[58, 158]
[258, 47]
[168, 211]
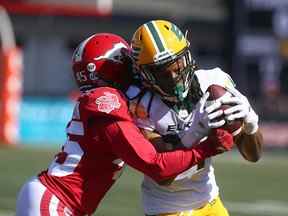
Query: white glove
[204, 118]
[241, 108]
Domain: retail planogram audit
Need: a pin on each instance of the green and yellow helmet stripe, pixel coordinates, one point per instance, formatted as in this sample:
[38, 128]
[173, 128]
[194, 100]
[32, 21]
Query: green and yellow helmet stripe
[155, 36]
[157, 41]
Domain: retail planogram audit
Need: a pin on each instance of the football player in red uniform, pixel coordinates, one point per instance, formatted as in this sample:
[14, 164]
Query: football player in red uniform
[101, 138]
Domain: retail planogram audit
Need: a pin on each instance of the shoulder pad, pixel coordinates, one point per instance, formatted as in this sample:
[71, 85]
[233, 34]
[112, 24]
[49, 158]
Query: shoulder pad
[105, 102]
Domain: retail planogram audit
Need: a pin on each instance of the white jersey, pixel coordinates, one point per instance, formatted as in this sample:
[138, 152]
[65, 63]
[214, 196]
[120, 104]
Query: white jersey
[194, 187]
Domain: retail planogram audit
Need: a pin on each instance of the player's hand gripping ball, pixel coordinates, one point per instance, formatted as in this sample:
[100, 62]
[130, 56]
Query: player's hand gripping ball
[217, 93]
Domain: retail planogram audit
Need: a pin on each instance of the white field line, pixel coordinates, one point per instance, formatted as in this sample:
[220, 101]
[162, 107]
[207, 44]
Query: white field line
[259, 208]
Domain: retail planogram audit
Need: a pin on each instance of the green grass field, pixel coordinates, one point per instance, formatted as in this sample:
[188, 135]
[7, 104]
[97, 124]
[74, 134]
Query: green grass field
[247, 189]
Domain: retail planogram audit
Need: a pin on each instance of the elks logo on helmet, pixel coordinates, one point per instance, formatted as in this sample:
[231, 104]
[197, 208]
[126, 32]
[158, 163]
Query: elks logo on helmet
[113, 54]
[108, 102]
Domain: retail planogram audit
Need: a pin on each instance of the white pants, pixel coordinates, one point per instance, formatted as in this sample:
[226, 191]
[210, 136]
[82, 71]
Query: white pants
[34, 199]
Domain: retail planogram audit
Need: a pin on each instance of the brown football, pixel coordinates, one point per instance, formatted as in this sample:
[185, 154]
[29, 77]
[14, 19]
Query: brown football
[217, 92]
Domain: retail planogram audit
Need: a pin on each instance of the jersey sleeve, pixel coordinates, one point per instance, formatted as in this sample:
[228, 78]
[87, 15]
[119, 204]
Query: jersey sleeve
[130, 145]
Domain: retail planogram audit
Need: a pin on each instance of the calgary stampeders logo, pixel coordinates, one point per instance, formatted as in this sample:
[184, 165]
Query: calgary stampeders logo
[114, 54]
[108, 102]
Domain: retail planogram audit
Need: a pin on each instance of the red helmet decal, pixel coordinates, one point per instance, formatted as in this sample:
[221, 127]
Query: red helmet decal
[113, 54]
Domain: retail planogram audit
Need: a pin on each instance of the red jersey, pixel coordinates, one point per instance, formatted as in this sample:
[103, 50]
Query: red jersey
[100, 137]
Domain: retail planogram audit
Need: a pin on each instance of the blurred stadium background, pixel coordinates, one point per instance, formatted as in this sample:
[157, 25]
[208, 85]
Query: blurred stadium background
[246, 38]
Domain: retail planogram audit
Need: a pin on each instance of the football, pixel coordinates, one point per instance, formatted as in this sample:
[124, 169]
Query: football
[217, 92]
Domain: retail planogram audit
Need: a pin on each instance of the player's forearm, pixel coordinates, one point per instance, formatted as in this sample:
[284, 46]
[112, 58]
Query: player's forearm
[217, 143]
[169, 164]
[250, 146]
[139, 153]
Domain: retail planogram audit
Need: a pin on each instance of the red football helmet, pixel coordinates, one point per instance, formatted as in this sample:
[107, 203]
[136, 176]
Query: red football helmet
[100, 60]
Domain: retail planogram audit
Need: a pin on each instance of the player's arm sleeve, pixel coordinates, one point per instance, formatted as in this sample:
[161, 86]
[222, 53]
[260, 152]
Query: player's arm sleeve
[129, 144]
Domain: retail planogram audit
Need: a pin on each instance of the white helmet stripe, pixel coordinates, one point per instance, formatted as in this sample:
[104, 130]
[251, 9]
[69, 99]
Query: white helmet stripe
[112, 53]
[77, 55]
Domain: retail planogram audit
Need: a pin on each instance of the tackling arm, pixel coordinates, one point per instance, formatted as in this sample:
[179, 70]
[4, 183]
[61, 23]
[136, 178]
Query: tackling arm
[130, 145]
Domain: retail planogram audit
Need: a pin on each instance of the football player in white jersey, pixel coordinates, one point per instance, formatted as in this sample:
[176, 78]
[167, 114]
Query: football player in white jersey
[164, 107]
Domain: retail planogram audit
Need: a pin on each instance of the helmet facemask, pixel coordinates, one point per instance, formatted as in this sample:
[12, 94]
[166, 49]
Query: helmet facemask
[171, 79]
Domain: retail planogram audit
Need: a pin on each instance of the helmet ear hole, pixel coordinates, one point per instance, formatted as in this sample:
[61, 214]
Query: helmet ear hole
[166, 27]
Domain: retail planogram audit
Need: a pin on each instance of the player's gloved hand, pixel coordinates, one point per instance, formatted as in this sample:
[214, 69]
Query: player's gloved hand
[204, 118]
[241, 109]
[217, 142]
[221, 139]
